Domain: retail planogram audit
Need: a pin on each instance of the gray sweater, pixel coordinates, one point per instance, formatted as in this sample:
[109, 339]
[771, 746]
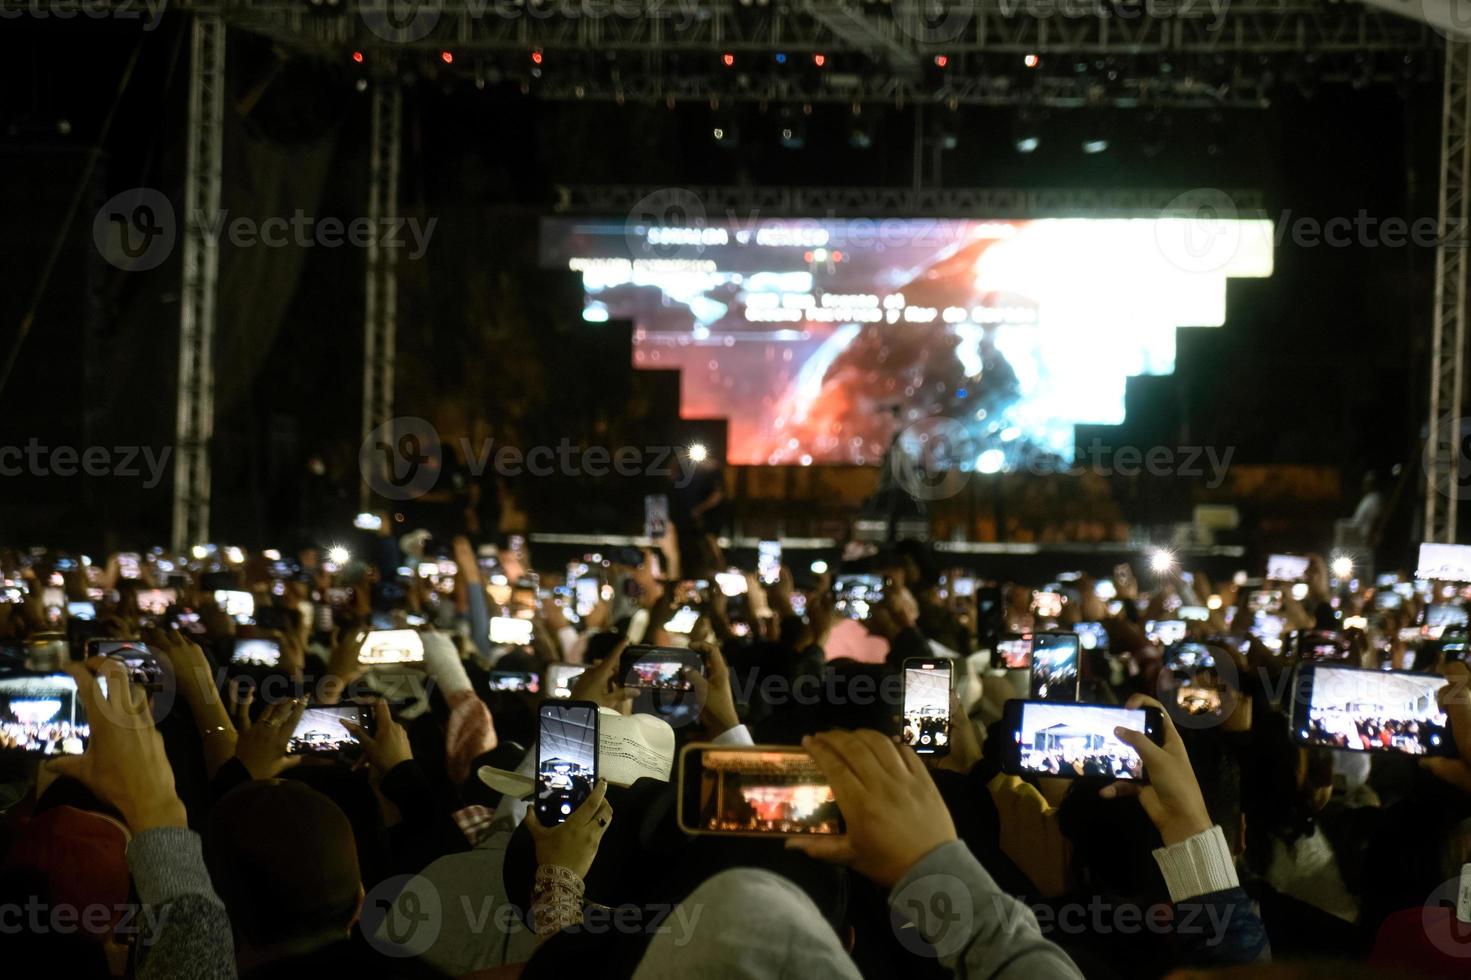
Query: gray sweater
[186, 931]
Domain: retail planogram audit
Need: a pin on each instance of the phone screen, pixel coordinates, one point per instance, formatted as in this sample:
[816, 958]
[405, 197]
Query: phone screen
[391, 647]
[256, 653]
[1444, 562]
[566, 758]
[510, 631]
[586, 593]
[238, 605]
[1165, 632]
[683, 620]
[41, 714]
[755, 791]
[856, 595]
[561, 676]
[86, 610]
[1194, 678]
[768, 561]
[1286, 568]
[1047, 605]
[321, 729]
[1092, 635]
[514, 681]
[1055, 659]
[1075, 740]
[1016, 651]
[1372, 711]
[142, 665]
[927, 706]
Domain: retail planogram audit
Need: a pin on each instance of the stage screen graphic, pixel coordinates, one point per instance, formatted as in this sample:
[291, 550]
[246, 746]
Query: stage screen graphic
[819, 340]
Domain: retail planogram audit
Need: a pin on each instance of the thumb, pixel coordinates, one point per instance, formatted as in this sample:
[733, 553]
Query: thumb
[74, 766]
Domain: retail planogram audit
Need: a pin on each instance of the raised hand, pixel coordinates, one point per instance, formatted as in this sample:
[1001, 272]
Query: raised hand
[388, 745]
[602, 685]
[1172, 797]
[261, 746]
[573, 844]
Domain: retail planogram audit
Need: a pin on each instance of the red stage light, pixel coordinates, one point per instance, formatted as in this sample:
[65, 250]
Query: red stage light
[358, 57]
[446, 57]
[941, 60]
[1031, 61]
[819, 60]
[728, 58]
[536, 57]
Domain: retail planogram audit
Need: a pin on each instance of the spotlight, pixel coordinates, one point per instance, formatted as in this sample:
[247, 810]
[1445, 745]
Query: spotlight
[697, 452]
[1031, 61]
[358, 57]
[819, 60]
[781, 57]
[536, 57]
[1343, 567]
[446, 57]
[728, 58]
[338, 555]
[819, 567]
[1161, 561]
[1094, 146]
[1028, 144]
[1214, 602]
[941, 60]
[234, 555]
[200, 552]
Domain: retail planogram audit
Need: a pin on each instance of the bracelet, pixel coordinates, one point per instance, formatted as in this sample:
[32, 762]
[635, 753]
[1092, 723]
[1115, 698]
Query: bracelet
[556, 899]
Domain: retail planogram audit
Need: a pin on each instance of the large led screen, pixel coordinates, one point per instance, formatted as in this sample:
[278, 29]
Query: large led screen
[820, 340]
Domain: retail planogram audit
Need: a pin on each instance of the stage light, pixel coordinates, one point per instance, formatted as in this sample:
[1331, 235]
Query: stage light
[1161, 561]
[271, 554]
[234, 555]
[819, 60]
[1094, 146]
[536, 57]
[446, 57]
[200, 552]
[941, 60]
[819, 567]
[1031, 61]
[338, 555]
[1300, 591]
[728, 58]
[358, 57]
[697, 452]
[781, 57]
[1343, 567]
[1028, 144]
[1214, 602]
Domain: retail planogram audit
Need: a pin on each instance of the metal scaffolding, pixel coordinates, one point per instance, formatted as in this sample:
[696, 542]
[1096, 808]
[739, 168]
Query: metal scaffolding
[1443, 454]
[195, 414]
[380, 300]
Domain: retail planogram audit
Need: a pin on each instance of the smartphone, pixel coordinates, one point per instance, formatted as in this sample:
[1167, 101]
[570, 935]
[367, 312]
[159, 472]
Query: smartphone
[1444, 562]
[1015, 651]
[1370, 710]
[856, 595]
[657, 677]
[754, 791]
[561, 676]
[368, 522]
[731, 583]
[586, 593]
[1074, 741]
[1198, 614]
[510, 631]
[963, 587]
[42, 715]
[321, 730]
[683, 621]
[1094, 636]
[1055, 671]
[1165, 632]
[84, 609]
[1321, 645]
[256, 652]
[1196, 683]
[514, 681]
[1047, 605]
[1286, 568]
[1385, 600]
[1439, 615]
[142, 665]
[656, 516]
[391, 647]
[927, 706]
[1268, 628]
[768, 561]
[1265, 600]
[129, 565]
[239, 606]
[566, 758]
[1105, 589]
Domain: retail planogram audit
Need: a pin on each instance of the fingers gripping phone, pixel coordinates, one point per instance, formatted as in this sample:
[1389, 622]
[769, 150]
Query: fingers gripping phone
[926, 727]
[566, 758]
[1075, 741]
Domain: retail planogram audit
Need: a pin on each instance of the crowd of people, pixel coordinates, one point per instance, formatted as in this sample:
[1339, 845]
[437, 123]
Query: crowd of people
[213, 850]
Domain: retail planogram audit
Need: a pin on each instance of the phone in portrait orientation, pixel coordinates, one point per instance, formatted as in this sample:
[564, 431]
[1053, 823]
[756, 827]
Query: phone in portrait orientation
[1074, 741]
[1356, 710]
[514, 681]
[926, 727]
[256, 652]
[1047, 605]
[1015, 651]
[754, 791]
[510, 631]
[566, 758]
[321, 731]
[656, 515]
[1056, 670]
[768, 561]
[41, 714]
[561, 676]
[586, 593]
[387, 647]
[142, 665]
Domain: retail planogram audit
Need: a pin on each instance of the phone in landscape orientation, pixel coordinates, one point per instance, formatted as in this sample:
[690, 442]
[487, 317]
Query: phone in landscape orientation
[42, 714]
[856, 595]
[1267, 628]
[561, 676]
[1193, 676]
[1074, 741]
[754, 791]
[1442, 615]
[927, 705]
[256, 652]
[963, 587]
[142, 665]
[1370, 710]
[510, 631]
[1265, 600]
[1287, 568]
[1105, 589]
[1094, 636]
[1166, 632]
[731, 583]
[239, 606]
[321, 730]
[1321, 645]
[656, 515]
[1047, 605]
[1055, 666]
[1198, 614]
[1015, 651]
[381, 647]
[155, 602]
[1444, 562]
[683, 620]
[514, 681]
[657, 677]
[566, 758]
[368, 522]
[83, 609]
